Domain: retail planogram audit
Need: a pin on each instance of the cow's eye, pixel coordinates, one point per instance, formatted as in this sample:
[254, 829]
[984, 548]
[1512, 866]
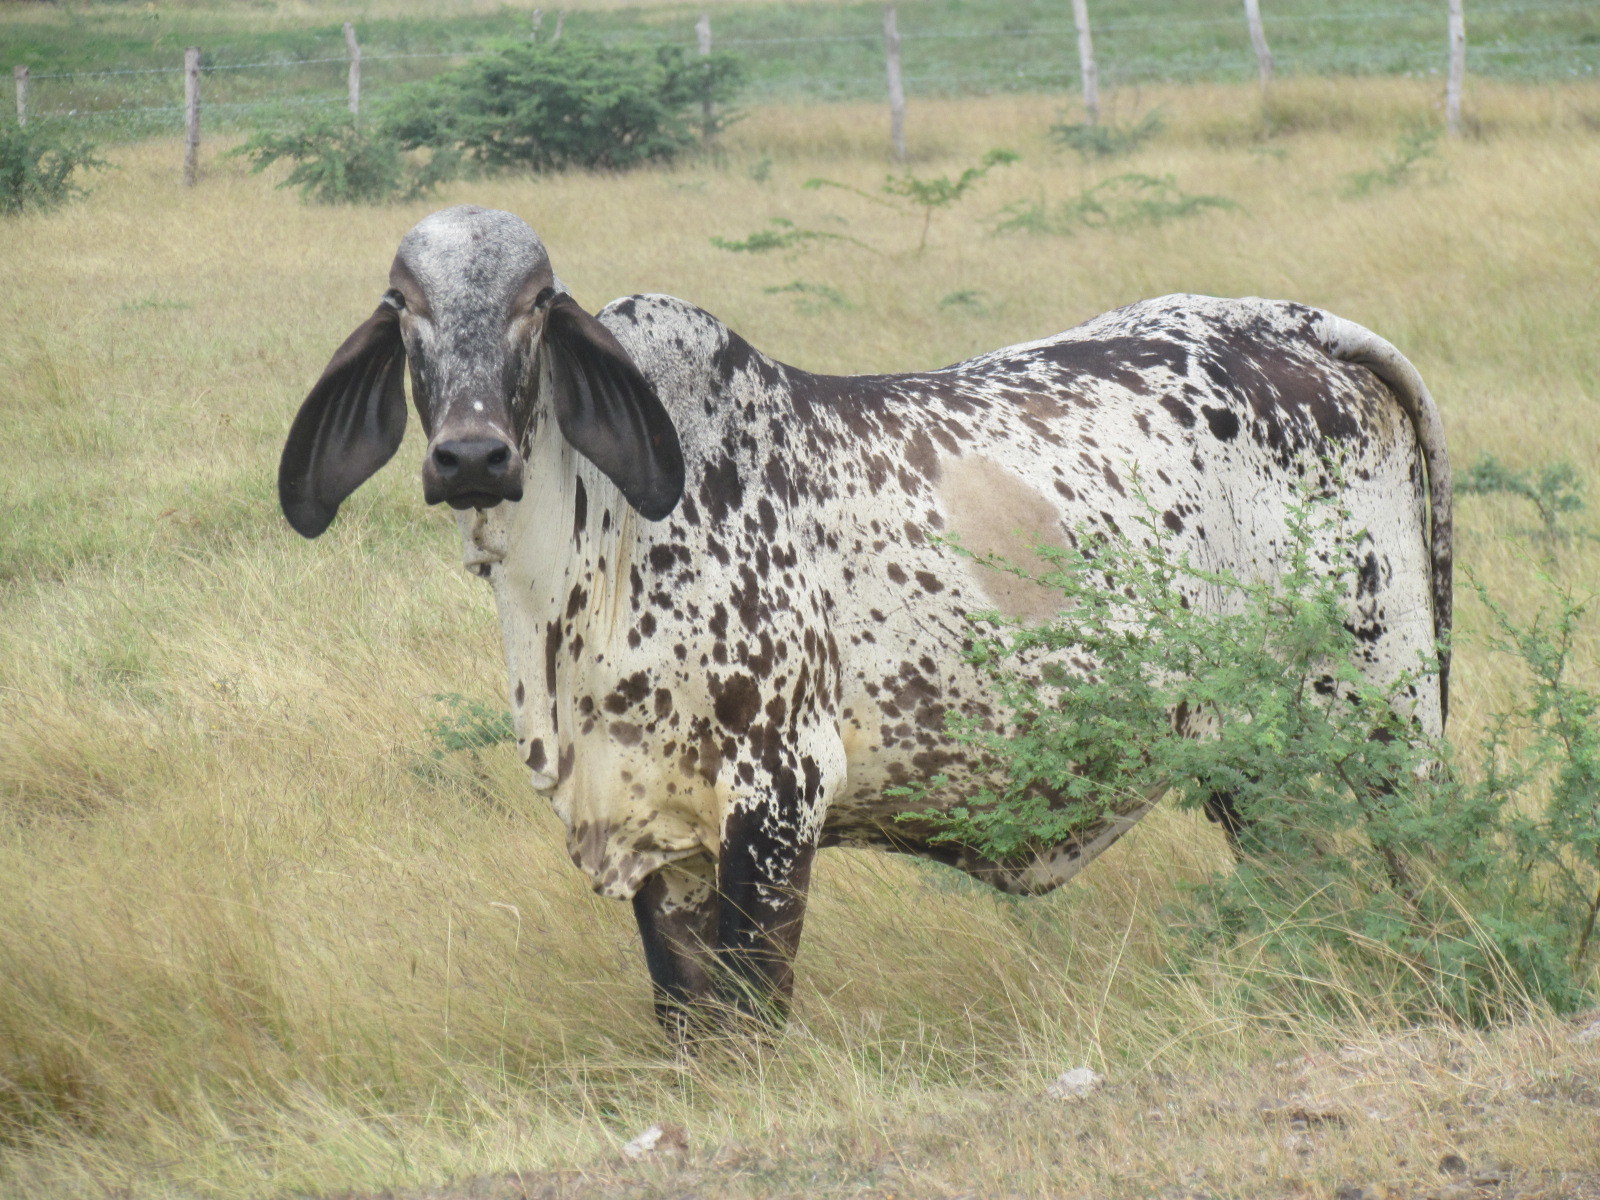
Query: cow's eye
[395, 299]
[543, 297]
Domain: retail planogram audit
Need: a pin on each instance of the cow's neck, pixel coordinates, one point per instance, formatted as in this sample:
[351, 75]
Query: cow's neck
[559, 561]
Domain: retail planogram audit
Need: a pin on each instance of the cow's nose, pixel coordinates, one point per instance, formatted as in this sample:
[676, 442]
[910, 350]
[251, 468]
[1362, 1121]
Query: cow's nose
[473, 473]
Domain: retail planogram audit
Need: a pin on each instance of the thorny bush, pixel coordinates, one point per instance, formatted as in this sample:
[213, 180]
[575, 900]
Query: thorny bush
[546, 106]
[1377, 868]
[528, 106]
[37, 166]
[337, 160]
[1093, 140]
[926, 194]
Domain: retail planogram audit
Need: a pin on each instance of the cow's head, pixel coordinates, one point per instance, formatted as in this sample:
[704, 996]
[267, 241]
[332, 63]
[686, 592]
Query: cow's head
[494, 341]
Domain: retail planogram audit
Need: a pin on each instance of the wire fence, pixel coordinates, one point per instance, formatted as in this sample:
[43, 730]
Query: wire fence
[1540, 39]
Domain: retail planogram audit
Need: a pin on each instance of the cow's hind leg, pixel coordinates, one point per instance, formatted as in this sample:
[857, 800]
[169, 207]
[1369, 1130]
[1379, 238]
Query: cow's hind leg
[677, 913]
[1222, 808]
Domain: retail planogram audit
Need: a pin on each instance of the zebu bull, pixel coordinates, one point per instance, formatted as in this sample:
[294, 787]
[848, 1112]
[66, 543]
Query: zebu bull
[727, 628]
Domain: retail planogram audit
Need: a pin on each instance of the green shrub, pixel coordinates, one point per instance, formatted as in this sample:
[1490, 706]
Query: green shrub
[811, 298]
[1554, 490]
[783, 235]
[575, 103]
[927, 194]
[1119, 202]
[1370, 852]
[1108, 141]
[1414, 146]
[463, 731]
[943, 192]
[338, 160]
[468, 725]
[37, 166]
[968, 300]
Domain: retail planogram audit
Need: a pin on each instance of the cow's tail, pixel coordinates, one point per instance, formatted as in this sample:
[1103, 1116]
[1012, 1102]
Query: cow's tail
[1349, 342]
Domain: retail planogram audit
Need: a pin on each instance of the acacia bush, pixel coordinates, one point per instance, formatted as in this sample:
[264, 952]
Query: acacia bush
[337, 160]
[780, 234]
[1456, 883]
[574, 103]
[1415, 145]
[1120, 202]
[1555, 490]
[38, 165]
[1094, 140]
[926, 195]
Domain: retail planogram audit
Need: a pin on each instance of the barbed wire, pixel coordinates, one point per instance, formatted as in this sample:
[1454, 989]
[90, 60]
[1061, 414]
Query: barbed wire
[207, 68]
[873, 35]
[124, 110]
[1065, 73]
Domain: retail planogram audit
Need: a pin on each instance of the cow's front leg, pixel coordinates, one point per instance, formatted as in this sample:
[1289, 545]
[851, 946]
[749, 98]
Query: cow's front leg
[762, 876]
[677, 913]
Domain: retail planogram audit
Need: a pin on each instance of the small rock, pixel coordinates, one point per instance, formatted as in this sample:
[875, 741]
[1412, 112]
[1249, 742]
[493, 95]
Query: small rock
[1350, 1192]
[1453, 1164]
[1074, 1084]
[658, 1140]
[1589, 1033]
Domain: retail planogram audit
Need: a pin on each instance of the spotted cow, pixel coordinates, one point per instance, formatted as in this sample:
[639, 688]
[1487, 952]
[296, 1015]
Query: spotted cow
[731, 618]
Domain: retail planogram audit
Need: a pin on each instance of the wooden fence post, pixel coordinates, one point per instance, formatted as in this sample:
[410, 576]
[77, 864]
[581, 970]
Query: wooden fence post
[191, 114]
[897, 92]
[20, 74]
[538, 20]
[354, 47]
[561, 20]
[708, 111]
[1258, 39]
[1090, 73]
[1458, 68]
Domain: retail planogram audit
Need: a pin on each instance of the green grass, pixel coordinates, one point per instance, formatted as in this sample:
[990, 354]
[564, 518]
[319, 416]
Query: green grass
[950, 47]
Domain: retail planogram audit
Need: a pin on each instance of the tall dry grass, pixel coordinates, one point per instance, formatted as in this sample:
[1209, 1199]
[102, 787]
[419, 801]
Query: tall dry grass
[254, 940]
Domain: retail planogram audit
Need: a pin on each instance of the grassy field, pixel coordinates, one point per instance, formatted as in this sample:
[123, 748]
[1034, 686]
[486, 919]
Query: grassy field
[256, 941]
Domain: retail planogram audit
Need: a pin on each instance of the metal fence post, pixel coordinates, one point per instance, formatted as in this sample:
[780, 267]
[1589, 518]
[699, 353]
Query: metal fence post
[191, 114]
[897, 92]
[354, 48]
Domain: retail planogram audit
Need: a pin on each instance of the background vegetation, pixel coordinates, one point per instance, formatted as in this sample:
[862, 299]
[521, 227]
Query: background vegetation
[795, 51]
[256, 938]
[40, 168]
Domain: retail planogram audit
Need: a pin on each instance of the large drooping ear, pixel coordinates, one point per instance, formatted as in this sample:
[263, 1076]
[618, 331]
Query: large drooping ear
[348, 427]
[609, 412]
